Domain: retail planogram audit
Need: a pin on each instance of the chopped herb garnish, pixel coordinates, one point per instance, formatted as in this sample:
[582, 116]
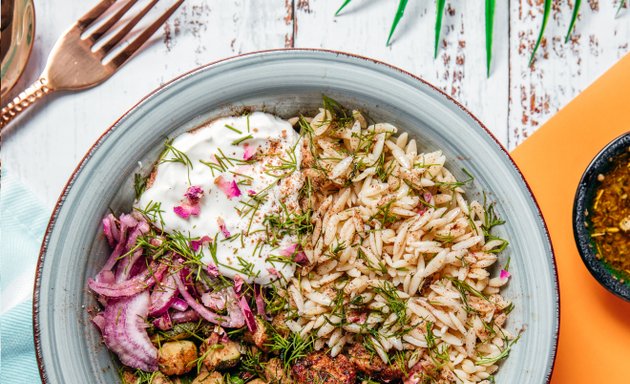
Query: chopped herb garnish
[174, 155]
[139, 184]
[504, 353]
[233, 129]
[240, 140]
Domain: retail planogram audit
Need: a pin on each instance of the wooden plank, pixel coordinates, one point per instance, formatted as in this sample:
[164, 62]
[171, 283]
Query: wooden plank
[561, 71]
[459, 69]
[45, 148]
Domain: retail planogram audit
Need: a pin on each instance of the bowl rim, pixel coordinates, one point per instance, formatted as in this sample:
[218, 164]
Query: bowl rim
[604, 278]
[134, 107]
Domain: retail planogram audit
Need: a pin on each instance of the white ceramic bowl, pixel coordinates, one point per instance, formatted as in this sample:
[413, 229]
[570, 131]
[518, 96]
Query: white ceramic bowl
[284, 82]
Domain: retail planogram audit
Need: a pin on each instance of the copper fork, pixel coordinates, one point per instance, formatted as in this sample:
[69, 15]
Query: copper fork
[73, 66]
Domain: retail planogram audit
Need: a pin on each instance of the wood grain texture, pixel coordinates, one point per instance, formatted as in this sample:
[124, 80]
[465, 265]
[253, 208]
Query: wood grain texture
[561, 71]
[44, 149]
[460, 67]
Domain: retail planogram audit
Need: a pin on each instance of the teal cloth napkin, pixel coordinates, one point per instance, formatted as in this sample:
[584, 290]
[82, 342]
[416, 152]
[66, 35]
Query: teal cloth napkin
[23, 220]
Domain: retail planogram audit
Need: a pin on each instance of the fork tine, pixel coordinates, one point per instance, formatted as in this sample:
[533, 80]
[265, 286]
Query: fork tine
[144, 36]
[94, 13]
[111, 43]
[100, 31]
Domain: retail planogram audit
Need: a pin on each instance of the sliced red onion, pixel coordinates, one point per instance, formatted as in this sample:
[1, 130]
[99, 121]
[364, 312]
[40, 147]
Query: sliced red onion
[260, 301]
[163, 296]
[216, 301]
[250, 320]
[139, 230]
[99, 321]
[109, 225]
[128, 220]
[212, 270]
[124, 332]
[184, 317]
[125, 266]
[179, 305]
[118, 251]
[203, 311]
[130, 287]
[163, 322]
[233, 308]
[238, 284]
[107, 277]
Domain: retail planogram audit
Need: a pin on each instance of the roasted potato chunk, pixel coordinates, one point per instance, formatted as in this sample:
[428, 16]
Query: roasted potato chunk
[207, 377]
[257, 381]
[128, 377]
[220, 355]
[318, 367]
[274, 372]
[372, 365]
[260, 337]
[279, 324]
[159, 378]
[177, 357]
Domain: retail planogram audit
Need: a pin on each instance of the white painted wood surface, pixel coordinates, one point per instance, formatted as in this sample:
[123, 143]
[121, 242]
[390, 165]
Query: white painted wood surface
[45, 147]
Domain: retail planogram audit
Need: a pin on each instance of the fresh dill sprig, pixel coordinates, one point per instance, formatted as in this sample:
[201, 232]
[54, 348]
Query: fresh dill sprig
[339, 113]
[290, 348]
[241, 139]
[139, 184]
[504, 353]
[384, 214]
[395, 303]
[153, 212]
[439, 356]
[219, 167]
[288, 165]
[491, 220]
[454, 184]
[464, 290]
[384, 170]
[233, 129]
[251, 362]
[141, 376]
[288, 223]
[176, 156]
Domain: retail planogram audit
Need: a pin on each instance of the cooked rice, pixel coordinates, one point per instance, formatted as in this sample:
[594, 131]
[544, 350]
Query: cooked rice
[399, 259]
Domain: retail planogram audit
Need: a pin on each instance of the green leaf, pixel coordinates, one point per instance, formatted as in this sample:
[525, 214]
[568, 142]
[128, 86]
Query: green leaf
[346, 2]
[622, 3]
[438, 24]
[402, 4]
[489, 30]
[576, 10]
[546, 14]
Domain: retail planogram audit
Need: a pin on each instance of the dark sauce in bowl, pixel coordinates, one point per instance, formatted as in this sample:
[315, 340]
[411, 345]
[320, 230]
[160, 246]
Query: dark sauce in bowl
[610, 216]
[601, 215]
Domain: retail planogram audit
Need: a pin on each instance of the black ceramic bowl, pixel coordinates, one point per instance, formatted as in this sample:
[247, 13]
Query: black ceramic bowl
[611, 279]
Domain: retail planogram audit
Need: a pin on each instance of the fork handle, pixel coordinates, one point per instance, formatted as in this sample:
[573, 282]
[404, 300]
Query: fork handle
[25, 99]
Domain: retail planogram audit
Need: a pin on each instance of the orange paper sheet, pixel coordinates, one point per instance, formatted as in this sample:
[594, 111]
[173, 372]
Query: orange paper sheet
[594, 324]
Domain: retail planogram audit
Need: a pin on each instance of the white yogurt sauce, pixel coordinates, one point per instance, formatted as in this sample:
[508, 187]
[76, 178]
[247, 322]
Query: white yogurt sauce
[274, 141]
